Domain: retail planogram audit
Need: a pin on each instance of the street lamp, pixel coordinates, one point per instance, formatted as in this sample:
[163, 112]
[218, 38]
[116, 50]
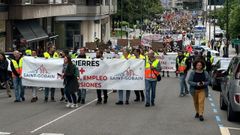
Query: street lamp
[226, 50]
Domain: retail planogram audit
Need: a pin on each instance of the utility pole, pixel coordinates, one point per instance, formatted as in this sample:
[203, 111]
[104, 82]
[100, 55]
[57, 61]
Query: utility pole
[226, 50]
[121, 18]
[209, 23]
[141, 17]
[214, 25]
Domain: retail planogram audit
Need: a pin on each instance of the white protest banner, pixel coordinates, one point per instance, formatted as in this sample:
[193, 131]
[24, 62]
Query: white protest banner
[41, 72]
[108, 74]
[111, 74]
[168, 62]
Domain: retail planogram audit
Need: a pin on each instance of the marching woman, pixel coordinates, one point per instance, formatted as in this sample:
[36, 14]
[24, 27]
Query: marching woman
[70, 82]
[199, 81]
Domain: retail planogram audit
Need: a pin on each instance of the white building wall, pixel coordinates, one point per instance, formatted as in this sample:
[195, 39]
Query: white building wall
[90, 30]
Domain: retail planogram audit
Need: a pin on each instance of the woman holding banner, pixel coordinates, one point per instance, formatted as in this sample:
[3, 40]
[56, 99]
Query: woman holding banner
[70, 82]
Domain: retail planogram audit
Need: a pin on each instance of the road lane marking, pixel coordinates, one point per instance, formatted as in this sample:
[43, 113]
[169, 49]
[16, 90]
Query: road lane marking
[212, 104]
[210, 99]
[51, 134]
[79, 108]
[218, 118]
[233, 128]
[5, 133]
[215, 110]
[224, 131]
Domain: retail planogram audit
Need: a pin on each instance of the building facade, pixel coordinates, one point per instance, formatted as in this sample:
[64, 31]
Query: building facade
[3, 21]
[92, 21]
[31, 22]
[193, 4]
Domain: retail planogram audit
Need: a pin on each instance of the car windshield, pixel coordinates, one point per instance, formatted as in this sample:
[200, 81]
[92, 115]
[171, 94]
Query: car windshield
[238, 72]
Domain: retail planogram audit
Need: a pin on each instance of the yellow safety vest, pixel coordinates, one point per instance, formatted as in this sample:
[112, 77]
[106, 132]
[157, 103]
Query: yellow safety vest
[140, 57]
[28, 52]
[47, 55]
[182, 65]
[149, 73]
[17, 66]
[123, 57]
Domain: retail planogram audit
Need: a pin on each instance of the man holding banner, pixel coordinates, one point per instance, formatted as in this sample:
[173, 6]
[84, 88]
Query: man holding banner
[152, 70]
[51, 53]
[138, 55]
[126, 55]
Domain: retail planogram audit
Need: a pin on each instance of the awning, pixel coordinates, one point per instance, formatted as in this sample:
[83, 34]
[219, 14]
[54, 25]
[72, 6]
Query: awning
[31, 30]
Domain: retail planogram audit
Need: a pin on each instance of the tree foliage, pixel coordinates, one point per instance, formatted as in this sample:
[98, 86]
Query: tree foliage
[133, 10]
[234, 17]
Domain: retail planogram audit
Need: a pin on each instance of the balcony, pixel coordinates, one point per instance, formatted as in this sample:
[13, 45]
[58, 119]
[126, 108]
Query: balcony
[30, 9]
[84, 10]
[3, 11]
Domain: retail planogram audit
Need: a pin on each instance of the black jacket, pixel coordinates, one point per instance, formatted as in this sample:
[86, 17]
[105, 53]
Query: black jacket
[3, 70]
[70, 80]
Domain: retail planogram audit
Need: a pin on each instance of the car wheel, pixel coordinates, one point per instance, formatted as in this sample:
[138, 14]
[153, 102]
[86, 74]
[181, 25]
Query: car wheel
[231, 115]
[223, 105]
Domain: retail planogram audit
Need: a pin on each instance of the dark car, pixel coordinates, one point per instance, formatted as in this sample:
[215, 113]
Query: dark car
[217, 72]
[230, 94]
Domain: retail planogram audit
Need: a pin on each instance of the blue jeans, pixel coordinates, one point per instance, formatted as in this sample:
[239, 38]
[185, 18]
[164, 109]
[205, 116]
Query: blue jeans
[150, 90]
[82, 94]
[47, 92]
[183, 84]
[19, 90]
[72, 98]
[120, 95]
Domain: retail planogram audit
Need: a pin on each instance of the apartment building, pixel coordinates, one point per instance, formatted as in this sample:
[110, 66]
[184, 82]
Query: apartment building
[92, 21]
[192, 4]
[3, 19]
[31, 22]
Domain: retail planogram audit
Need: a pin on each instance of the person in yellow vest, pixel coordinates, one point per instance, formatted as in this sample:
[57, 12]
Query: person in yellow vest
[138, 55]
[51, 53]
[126, 55]
[34, 89]
[74, 53]
[82, 92]
[209, 61]
[182, 65]
[152, 70]
[16, 66]
[28, 52]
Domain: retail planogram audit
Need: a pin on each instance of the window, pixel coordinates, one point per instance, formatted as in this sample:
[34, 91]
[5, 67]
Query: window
[237, 75]
[27, 2]
[107, 2]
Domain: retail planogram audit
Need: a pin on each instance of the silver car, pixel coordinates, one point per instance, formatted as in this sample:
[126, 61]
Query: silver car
[230, 94]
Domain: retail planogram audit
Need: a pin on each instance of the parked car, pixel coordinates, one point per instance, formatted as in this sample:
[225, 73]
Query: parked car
[217, 72]
[230, 94]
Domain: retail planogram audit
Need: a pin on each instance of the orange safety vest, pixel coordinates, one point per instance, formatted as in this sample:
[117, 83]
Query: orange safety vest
[17, 66]
[182, 65]
[149, 73]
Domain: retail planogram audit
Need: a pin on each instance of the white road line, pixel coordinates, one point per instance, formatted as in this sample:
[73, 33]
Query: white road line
[224, 131]
[5, 133]
[233, 128]
[33, 131]
[51, 134]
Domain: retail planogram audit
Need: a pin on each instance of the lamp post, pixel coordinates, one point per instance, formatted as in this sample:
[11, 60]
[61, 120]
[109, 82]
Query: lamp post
[121, 17]
[226, 50]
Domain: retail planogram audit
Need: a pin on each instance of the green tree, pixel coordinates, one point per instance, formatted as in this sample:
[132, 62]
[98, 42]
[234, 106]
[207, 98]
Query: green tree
[134, 10]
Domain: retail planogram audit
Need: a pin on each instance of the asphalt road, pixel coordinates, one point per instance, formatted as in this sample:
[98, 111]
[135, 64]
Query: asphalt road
[172, 115]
